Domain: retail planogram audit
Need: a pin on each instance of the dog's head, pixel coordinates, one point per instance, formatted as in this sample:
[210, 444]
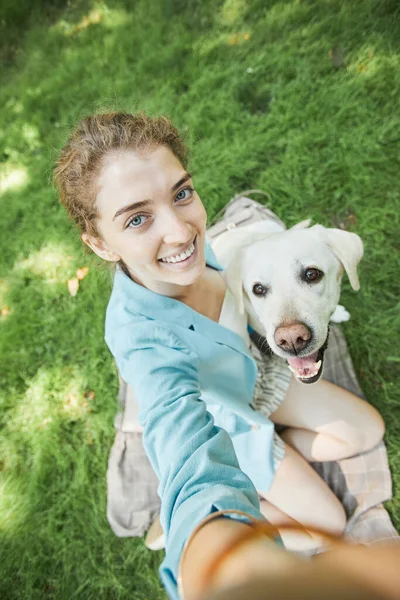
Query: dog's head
[290, 282]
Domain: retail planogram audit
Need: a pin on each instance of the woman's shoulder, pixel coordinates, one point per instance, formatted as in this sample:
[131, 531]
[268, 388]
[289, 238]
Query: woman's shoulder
[148, 346]
[130, 327]
[128, 303]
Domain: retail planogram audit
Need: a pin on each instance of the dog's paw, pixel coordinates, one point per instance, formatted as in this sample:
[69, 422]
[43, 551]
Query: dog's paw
[340, 314]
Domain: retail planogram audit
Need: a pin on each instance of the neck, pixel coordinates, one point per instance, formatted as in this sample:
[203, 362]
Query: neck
[183, 293]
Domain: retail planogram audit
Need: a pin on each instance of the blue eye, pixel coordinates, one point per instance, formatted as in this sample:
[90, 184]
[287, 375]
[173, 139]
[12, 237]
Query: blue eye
[184, 194]
[136, 221]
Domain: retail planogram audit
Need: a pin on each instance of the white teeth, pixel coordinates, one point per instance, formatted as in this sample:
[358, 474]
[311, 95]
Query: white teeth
[316, 364]
[179, 257]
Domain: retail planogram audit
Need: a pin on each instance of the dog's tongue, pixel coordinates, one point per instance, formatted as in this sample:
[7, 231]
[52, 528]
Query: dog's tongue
[306, 367]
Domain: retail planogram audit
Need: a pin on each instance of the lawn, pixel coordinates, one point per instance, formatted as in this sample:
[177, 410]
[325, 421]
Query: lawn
[299, 98]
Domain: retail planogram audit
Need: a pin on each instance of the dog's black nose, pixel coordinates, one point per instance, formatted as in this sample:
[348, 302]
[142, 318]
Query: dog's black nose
[293, 336]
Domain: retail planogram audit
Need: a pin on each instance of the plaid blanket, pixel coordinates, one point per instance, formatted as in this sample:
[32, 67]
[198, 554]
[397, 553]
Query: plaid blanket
[362, 483]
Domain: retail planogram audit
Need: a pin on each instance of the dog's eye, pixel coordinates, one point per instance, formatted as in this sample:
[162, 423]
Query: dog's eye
[313, 275]
[259, 289]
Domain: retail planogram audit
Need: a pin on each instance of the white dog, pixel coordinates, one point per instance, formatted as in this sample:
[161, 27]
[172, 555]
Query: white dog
[289, 283]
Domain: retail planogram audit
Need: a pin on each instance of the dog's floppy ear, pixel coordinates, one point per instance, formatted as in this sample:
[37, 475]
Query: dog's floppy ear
[302, 225]
[229, 248]
[233, 277]
[347, 247]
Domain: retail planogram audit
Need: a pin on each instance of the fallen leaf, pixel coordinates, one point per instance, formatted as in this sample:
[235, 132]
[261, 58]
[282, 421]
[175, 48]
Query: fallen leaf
[45, 422]
[246, 36]
[351, 219]
[71, 401]
[90, 395]
[82, 272]
[73, 286]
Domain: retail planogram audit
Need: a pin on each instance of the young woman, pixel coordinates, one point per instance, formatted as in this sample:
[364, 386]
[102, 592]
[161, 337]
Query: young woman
[123, 179]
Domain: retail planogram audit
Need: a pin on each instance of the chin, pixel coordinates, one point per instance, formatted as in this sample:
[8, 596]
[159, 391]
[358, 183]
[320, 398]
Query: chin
[190, 278]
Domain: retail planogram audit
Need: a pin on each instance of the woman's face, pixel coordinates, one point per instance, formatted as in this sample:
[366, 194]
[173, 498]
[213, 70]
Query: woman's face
[151, 217]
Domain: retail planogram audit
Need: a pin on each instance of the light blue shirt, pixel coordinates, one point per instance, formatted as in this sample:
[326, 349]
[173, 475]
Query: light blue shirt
[191, 377]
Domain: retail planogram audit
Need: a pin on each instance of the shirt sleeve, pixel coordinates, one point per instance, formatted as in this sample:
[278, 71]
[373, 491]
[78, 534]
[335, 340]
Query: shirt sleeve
[194, 460]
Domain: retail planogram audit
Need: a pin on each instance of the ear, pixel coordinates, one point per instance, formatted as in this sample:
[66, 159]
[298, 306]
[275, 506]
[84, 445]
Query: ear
[239, 238]
[99, 247]
[302, 225]
[233, 277]
[229, 248]
[347, 247]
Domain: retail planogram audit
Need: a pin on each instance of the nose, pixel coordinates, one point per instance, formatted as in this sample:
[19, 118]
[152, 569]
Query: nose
[294, 336]
[176, 230]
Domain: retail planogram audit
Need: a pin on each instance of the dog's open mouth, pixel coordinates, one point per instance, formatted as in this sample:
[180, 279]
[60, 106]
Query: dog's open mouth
[308, 369]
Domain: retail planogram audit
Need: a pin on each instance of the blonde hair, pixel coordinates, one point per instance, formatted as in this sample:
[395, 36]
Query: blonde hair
[96, 137]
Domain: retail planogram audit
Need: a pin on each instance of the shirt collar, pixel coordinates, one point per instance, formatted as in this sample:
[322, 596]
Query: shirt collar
[145, 302]
[141, 301]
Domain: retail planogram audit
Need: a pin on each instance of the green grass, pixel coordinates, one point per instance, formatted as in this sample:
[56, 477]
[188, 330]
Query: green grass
[269, 111]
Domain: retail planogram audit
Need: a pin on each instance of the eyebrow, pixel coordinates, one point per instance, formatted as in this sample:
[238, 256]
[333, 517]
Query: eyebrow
[144, 203]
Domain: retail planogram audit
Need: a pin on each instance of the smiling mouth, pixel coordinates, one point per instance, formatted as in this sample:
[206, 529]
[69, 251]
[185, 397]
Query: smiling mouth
[183, 257]
[308, 369]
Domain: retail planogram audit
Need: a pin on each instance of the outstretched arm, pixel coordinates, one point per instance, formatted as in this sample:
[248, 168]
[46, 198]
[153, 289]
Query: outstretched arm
[193, 459]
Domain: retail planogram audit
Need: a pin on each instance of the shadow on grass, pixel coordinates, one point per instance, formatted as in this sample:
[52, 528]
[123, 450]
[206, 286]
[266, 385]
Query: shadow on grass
[57, 428]
[17, 18]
